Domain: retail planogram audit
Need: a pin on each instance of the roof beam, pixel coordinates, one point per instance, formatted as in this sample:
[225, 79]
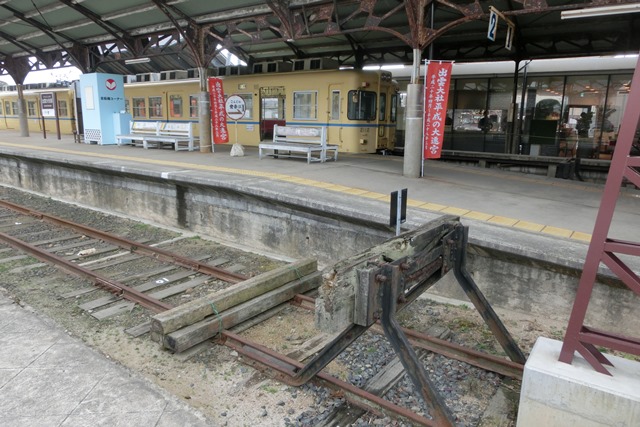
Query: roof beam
[46, 59]
[116, 32]
[192, 32]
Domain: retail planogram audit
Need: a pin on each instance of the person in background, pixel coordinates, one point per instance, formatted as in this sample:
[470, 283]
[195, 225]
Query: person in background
[484, 123]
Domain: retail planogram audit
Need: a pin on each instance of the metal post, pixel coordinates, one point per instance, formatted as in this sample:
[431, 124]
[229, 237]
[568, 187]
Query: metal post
[204, 114]
[399, 213]
[408, 357]
[413, 119]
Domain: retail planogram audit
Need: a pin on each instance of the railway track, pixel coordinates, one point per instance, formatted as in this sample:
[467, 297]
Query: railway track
[151, 274]
[63, 243]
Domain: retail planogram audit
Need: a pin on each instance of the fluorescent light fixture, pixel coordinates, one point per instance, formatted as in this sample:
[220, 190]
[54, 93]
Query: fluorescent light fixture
[591, 12]
[137, 61]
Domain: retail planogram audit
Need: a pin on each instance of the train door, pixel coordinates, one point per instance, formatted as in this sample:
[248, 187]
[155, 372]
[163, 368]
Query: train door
[382, 142]
[272, 110]
[334, 121]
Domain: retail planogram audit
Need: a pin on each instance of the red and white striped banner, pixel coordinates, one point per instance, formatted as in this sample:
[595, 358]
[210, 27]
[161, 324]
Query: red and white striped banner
[437, 80]
[218, 111]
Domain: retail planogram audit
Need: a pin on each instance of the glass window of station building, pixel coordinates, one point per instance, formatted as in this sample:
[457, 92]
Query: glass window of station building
[556, 115]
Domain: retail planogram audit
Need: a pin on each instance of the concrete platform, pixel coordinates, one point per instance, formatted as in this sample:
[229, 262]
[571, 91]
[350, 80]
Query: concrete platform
[555, 394]
[48, 378]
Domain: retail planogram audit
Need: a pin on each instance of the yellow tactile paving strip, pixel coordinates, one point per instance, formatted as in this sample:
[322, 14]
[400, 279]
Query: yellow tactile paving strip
[461, 212]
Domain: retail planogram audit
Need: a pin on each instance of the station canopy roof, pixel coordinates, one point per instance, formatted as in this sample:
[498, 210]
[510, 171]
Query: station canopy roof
[102, 35]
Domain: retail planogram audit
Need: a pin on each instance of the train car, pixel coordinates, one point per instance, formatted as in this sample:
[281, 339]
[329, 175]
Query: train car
[359, 108]
[65, 106]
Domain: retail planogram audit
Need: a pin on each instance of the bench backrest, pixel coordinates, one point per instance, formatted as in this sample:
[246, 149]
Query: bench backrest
[300, 134]
[177, 128]
[145, 127]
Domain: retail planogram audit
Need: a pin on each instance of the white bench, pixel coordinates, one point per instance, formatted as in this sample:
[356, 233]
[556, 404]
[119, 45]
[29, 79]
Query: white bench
[311, 141]
[137, 132]
[180, 134]
[156, 134]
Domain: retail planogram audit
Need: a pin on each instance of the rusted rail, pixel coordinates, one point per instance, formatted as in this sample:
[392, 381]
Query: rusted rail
[110, 285]
[261, 357]
[135, 247]
[451, 350]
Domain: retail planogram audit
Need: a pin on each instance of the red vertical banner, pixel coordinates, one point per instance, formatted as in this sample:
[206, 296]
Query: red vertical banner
[218, 112]
[437, 80]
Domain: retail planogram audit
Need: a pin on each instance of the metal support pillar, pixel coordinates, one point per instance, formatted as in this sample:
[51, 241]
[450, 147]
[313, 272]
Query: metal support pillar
[204, 114]
[412, 165]
[583, 339]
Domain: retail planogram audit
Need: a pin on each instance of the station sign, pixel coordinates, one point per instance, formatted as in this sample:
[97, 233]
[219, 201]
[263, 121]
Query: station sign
[493, 25]
[48, 104]
[235, 107]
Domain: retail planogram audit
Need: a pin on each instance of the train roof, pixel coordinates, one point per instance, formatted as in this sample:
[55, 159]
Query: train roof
[584, 65]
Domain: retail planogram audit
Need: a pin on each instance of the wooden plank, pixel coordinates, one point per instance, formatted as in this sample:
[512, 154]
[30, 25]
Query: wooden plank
[177, 289]
[189, 336]
[195, 311]
[42, 242]
[144, 274]
[311, 347]
[139, 330]
[91, 305]
[114, 310]
[235, 268]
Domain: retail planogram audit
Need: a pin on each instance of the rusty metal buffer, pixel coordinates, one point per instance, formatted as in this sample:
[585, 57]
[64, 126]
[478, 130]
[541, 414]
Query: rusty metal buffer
[380, 282]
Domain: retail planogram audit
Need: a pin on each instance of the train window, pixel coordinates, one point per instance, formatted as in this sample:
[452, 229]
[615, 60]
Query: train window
[7, 108]
[335, 105]
[62, 108]
[248, 105]
[139, 107]
[361, 105]
[383, 106]
[394, 108]
[175, 105]
[31, 108]
[193, 106]
[305, 105]
[155, 106]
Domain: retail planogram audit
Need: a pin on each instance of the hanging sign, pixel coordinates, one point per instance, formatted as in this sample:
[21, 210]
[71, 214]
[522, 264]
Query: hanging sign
[436, 92]
[493, 25]
[218, 111]
[508, 41]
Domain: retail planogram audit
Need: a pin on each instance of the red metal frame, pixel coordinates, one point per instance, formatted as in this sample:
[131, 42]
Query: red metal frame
[579, 337]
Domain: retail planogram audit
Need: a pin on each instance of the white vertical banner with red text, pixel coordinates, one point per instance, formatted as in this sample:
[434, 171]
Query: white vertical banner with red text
[218, 111]
[436, 84]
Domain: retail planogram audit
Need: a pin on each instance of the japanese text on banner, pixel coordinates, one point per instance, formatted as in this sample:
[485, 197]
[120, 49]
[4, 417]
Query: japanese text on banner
[218, 112]
[437, 80]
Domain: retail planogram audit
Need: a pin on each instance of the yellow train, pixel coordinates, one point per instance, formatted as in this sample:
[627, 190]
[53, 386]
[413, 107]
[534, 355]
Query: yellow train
[66, 110]
[359, 108]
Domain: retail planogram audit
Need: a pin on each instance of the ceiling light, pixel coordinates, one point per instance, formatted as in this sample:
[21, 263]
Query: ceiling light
[600, 11]
[137, 61]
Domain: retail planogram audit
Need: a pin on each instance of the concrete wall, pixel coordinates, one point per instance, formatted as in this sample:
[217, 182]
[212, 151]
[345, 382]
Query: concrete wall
[516, 270]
